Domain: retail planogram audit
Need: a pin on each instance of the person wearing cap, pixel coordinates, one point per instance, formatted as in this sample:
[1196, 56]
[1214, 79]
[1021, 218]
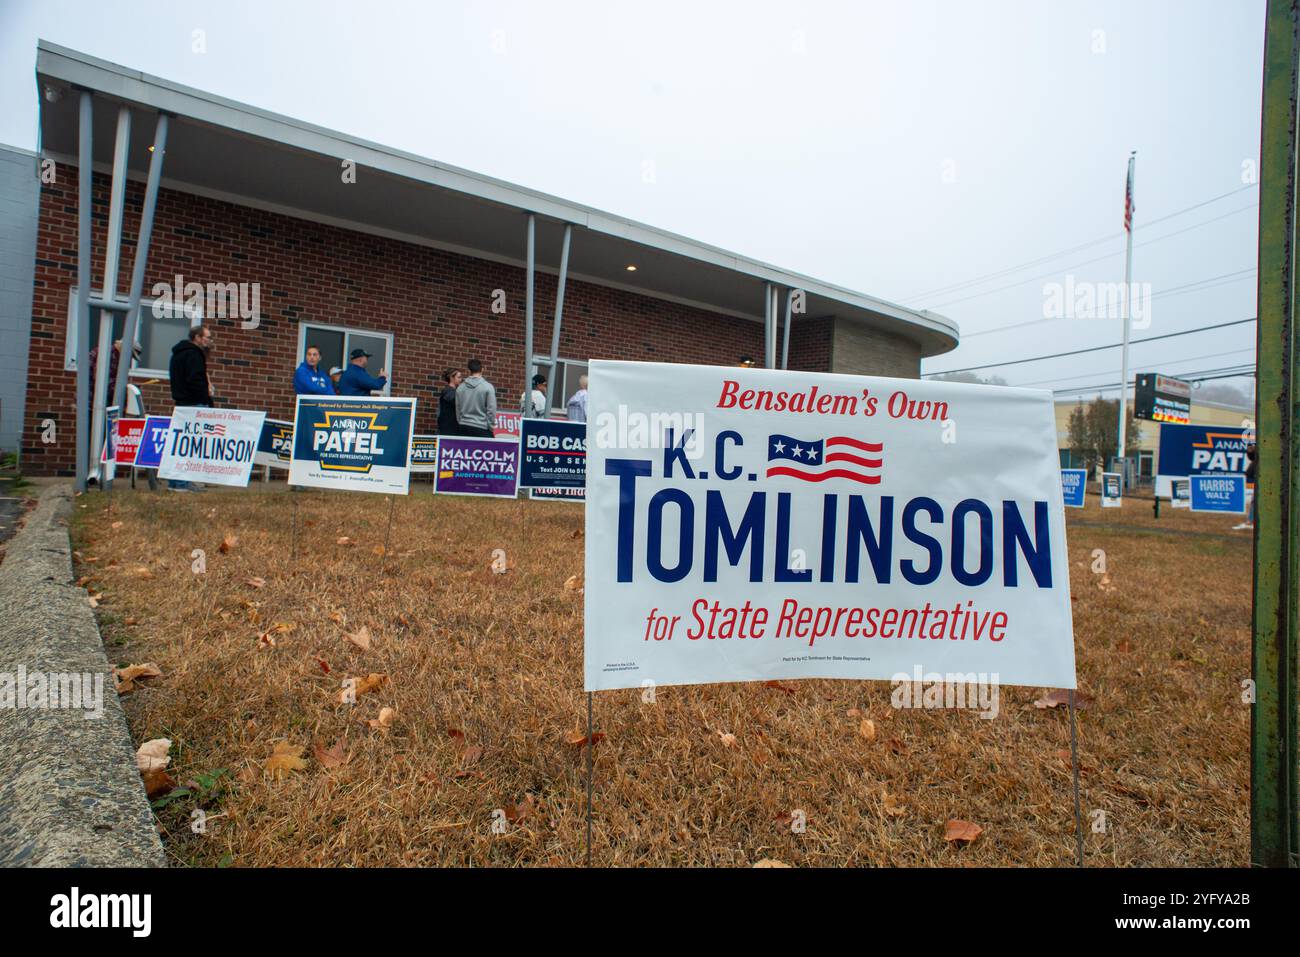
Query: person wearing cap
[334, 378]
[308, 379]
[355, 380]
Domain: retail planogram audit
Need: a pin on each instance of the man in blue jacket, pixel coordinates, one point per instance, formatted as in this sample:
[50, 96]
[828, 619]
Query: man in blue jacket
[308, 379]
[355, 380]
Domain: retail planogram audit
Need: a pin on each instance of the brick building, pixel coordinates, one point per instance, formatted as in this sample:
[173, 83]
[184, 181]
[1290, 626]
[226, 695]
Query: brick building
[312, 237]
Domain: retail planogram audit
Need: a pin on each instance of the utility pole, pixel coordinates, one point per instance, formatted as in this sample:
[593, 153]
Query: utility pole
[1273, 778]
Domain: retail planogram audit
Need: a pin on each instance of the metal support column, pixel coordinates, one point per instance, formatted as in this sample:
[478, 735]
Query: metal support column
[112, 255]
[143, 239]
[85, 171]
[1273, 784]
[785, 344]
[559, 310]
[528, 308]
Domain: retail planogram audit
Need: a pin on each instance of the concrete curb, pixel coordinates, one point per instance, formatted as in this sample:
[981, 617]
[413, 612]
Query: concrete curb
[70, 794]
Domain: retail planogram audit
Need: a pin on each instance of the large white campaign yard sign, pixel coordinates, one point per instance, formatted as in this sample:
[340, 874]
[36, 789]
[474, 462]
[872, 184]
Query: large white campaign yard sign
[211, 445]
[749, 524]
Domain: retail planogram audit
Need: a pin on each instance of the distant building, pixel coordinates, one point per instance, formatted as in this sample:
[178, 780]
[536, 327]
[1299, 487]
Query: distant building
[1203, 413]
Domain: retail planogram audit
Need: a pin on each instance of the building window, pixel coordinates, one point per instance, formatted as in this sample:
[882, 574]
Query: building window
[337, 342]
[562, 383]
[154, 334]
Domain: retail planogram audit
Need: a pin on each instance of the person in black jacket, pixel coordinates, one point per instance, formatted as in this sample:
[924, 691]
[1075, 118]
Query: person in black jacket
[447, 424]
[191, 386]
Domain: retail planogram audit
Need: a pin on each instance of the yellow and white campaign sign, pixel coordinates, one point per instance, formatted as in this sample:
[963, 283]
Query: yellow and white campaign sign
[751, 524]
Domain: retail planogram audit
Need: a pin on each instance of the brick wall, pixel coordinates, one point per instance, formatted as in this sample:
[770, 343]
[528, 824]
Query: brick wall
[860, 350]
[436, 304]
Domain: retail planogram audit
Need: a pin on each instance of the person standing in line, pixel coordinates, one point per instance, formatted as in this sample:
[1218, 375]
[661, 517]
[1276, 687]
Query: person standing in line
[190, 384]
[476, 403]
[355, 380]
[533, 406]
[578, 402]
[447, 422]
[308, 379]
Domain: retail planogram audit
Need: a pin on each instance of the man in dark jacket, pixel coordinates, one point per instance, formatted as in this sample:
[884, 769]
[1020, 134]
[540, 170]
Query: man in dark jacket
[447, 424]
[189, 368]
[356, 380]
[188, 371]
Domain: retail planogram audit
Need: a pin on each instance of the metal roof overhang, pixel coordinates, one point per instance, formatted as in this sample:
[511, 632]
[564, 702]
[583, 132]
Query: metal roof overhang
[234, 152]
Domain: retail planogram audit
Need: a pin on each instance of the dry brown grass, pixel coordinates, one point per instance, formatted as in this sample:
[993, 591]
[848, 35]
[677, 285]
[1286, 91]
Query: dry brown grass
[485, 674]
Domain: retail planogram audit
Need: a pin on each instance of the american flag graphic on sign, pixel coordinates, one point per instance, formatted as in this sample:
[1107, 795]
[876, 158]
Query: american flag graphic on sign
[214, 428]
[816, 461]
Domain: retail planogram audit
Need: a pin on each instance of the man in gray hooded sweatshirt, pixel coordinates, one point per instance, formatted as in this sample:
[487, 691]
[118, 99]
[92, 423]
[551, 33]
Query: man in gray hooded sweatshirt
[476, 403]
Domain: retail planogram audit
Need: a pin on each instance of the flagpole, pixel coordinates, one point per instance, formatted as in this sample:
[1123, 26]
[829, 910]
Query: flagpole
[1128, 306]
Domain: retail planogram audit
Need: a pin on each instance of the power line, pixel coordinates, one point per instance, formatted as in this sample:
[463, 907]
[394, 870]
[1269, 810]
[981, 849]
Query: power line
[1086, 262]
[951, 287]
[1163, 365]
[1113, 345]
[1242, 372]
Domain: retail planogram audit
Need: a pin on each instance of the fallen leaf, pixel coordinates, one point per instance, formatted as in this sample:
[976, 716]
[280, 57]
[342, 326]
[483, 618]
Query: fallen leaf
[227, 543]
[1059, 697]
[157, 783]
[344, 540]
[577, 533]
[777, 686]
[125, 678]
[960, 832]
[142, 571]
[455, 733]
[517, 812]
[728, 739]
[897, 746]
[337, 617]
[772, 862]
[116, 525]
[471, 757]
[892, 807]
[386, 716]
[573, 583]
[266, 640]
[255, 582]
[378, 550]
[363, 685]
[867, 729]
[152, 755]
[324, 665]
[360, 638]
[285, 758]
[578, 739]
[283, 628]
[331, 758]
[852, 713]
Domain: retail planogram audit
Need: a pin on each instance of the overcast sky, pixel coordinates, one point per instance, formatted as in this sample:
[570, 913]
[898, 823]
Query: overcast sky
[898, 149]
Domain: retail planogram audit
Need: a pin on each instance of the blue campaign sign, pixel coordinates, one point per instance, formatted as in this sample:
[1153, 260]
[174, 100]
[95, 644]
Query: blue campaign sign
[275, 444]
[554, 454]
[1187, 450]
[153, 442]
[1074, 483]
[361, 443]
[1219, 493]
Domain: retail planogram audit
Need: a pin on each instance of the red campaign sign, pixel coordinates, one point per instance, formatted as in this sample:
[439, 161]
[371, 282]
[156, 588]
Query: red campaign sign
[129, 434]
[508, 425]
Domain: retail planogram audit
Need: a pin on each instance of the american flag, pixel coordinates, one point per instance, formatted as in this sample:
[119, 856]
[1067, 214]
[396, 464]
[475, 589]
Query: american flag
[214, 428]
[835, 457]
[1128, 199]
